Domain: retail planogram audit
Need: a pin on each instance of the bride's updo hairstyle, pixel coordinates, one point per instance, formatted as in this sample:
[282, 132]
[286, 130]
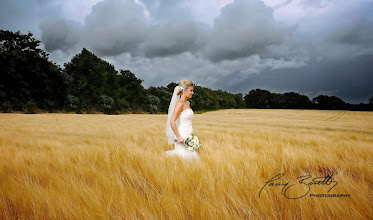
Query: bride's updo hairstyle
[184, 84]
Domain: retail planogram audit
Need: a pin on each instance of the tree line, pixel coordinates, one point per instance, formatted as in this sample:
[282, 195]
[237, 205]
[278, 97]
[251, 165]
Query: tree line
[30, 82]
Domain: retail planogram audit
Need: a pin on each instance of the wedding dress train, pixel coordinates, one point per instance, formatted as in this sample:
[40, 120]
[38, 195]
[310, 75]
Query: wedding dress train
[185, 129]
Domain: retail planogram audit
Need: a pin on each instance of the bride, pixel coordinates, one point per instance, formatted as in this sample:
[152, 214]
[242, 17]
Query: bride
[179, 122]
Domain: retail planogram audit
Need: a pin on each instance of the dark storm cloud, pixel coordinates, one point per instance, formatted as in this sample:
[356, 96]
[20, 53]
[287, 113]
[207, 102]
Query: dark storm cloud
[346, 37]
[60, 34]
[358, 32]
[349, 80]
[242, 29]
[114, 27]
[174, 37]
[325, 48]
[337, 61]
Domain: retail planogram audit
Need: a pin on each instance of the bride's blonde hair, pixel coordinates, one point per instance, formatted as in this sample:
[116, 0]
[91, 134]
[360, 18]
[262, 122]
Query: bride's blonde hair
[185, 84]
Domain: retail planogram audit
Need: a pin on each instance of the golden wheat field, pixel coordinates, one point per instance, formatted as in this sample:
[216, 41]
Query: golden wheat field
[254, 164]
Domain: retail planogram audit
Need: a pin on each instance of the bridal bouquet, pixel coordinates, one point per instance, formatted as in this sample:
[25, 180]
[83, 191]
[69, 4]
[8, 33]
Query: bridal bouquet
[192, 142]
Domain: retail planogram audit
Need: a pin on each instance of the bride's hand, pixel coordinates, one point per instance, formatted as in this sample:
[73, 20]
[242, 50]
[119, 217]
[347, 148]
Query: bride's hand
[180, 140]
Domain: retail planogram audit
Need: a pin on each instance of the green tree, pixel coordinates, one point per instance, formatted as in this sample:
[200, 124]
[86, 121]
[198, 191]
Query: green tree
[163, 95]
[240, 102]
[275, 100]
[226, 100]
[27, 77]
[93, 82]
[136, 94]
[171, 86]
[329, 102]
[153, 103]
[296, 101]
[202, 100]
[212, 96]
[258, 98]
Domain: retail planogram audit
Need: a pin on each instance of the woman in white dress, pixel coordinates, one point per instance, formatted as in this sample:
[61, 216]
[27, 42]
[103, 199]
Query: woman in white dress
[179, 122]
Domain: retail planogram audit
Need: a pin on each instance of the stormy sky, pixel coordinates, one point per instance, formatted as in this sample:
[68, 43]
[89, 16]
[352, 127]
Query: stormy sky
[307, 46]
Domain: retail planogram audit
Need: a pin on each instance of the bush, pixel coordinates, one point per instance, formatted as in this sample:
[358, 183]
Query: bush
[31, 107]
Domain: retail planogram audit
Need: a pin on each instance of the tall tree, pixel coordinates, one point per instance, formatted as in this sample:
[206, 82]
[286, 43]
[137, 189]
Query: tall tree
[136, 93]
[27, 77]
[93, 84]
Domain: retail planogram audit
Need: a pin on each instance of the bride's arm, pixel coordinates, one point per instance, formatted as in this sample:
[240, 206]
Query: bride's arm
[175, 115]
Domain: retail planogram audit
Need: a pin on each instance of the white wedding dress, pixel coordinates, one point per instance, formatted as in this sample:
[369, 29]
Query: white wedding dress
[185, 130]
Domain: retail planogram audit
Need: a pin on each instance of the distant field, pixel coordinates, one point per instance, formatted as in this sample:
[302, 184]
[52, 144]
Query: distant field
[70, 166]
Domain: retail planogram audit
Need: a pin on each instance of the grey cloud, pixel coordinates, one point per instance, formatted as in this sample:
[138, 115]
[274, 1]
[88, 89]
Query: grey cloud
[175, 37]
[314, 3]
[244, 28]
[161, 70]
[114, 27]
[42, 1]
[15, 11]
[111, 41]
[356, 29]
[166, 10]
[60, 34]
[283, 4]
[24, 16]
[345, 38]
[328, 53]
[116, 13]
[360, 32]
[311, 3]
[348, 80]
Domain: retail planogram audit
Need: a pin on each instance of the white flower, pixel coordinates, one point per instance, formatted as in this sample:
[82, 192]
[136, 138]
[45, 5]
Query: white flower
[192, 143]
[181, 88]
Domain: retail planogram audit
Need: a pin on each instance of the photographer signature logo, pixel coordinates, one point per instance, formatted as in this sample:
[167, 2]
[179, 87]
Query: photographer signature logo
[303, 185]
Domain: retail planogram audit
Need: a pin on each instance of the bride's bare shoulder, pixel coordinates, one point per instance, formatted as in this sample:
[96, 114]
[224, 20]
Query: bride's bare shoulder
[179, 105]
[179, 102]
